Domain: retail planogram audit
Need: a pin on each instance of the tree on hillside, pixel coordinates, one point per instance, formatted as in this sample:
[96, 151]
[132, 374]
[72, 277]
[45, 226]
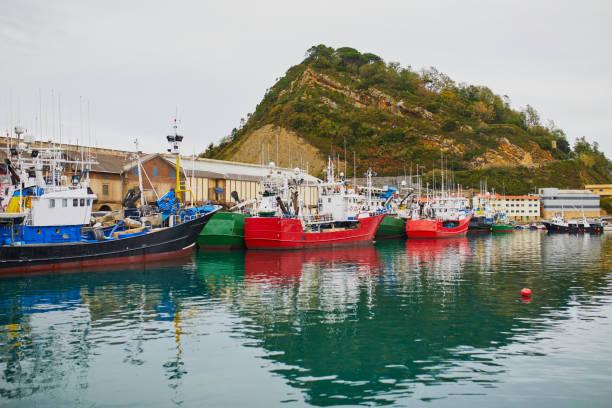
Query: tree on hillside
[320, 50]
[560, 137]
[435, 80]
[532, 117]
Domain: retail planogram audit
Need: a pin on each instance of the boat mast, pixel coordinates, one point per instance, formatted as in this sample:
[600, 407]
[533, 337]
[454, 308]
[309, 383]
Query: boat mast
[175, 141]
[140, 170]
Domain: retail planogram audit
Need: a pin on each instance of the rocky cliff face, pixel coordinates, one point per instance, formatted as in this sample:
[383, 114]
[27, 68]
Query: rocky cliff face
[389, 117]
[295, 150]
[276, 144]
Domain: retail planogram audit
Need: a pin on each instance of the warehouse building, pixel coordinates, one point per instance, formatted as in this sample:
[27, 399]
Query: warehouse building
[210, 180]
[603, 190]
[573, 203]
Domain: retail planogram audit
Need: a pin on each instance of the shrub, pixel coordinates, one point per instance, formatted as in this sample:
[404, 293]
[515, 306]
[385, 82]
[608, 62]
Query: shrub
[449, 125]
[433, 107]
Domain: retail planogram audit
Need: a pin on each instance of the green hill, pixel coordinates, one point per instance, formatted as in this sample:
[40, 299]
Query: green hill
[391, 116]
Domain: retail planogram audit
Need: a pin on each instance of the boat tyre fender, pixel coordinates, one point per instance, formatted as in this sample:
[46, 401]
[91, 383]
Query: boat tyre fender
[95, 234]
[98, 234]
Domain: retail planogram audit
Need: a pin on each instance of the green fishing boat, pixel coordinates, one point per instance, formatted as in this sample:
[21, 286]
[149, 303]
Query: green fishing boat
[225, 230]
[502, 227]
[391, 226]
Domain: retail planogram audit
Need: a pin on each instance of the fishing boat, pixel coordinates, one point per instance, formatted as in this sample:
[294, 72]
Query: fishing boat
[502, 224]
[48, 222]
[392, 227]
[557, 223]
[440, 215]
[225, 230]
[387, 199]
[436, 228]
[484, 211]
[583, 226]
[282, 224]
[575, 226]
[292, 233]
[502, 227]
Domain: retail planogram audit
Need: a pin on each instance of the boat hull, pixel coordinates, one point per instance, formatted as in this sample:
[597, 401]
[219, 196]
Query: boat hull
[502, 228]
[391, 227]
[224, 231]
[574, 228]
[435, 228]
[550, 227]
[479, 224]
[581, 229]
[287, 233]
[168, 243]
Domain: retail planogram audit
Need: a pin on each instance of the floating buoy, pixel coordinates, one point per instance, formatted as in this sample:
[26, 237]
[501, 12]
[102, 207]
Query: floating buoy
[526, 292]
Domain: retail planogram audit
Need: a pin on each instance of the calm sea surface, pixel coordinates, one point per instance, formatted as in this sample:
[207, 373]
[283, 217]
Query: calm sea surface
[417, 323]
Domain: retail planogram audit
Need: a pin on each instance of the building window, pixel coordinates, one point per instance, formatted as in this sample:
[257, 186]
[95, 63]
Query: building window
[172, 174]
[154, 171]
[75, 202]
[64, 202]
[104, 189]
[135, 171]
[82, 202]
[105, 175]
[51, 203]
[88, 202]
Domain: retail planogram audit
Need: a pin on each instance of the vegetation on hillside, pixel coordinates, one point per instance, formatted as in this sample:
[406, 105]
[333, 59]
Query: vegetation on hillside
[420, 114]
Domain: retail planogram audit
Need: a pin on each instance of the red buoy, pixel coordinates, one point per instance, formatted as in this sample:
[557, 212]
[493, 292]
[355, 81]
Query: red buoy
[526, 292]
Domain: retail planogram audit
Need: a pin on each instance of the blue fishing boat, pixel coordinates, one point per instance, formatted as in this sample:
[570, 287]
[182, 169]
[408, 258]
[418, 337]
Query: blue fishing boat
[48, 222]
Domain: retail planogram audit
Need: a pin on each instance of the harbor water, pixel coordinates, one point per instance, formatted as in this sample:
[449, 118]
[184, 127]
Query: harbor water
[398, 323]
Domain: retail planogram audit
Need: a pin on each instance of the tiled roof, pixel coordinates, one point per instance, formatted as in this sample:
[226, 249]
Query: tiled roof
[502, 197]
[108, 163]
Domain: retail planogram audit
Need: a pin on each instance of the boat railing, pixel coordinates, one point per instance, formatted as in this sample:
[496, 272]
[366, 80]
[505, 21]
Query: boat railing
[317, 218]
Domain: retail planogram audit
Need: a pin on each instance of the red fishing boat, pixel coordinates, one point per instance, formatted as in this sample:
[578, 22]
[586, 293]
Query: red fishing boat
[343, 218]
[288, 233]
[435, 228]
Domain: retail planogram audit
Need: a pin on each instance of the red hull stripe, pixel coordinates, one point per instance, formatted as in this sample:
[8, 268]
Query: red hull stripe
[287, 233]
[123, 260]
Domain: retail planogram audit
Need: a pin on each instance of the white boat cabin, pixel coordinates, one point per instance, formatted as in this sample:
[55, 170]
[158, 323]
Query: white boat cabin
[62, 207]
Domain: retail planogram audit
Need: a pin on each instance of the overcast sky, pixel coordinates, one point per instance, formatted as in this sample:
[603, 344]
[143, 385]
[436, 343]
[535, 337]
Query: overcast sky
[136, 62]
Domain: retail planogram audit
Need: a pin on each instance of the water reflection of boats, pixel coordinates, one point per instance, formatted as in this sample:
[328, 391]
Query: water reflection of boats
[275, 264]
[447, 252]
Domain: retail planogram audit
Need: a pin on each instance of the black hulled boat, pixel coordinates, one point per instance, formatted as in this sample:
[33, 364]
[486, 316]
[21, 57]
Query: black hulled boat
[154, 245]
